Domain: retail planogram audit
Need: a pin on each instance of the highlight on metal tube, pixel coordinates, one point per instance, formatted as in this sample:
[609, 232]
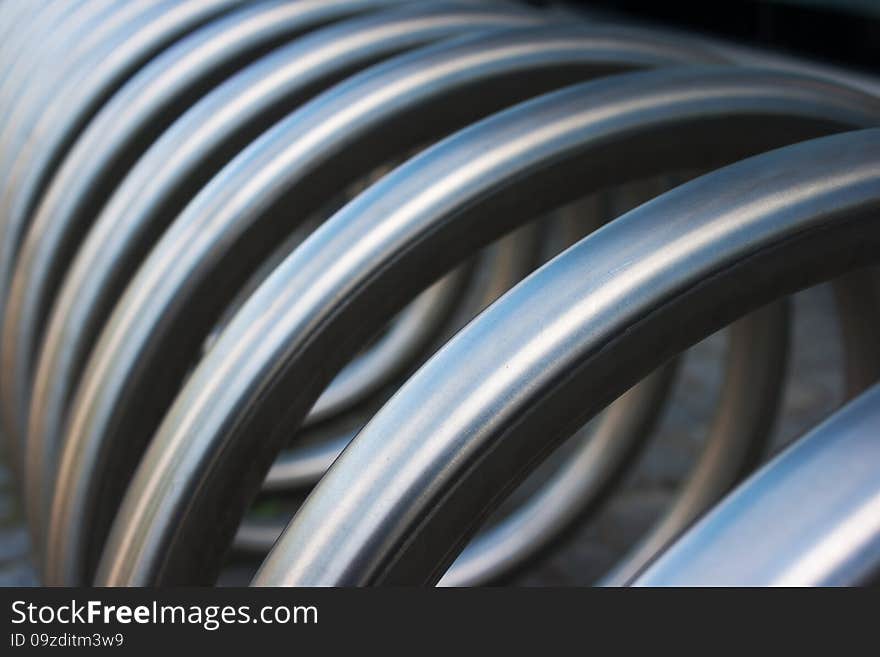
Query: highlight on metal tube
[816, 503]
[695, 248]
[449, 292]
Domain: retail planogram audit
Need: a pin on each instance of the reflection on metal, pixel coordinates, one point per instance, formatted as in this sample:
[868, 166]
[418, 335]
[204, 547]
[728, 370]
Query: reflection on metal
[180, 288]
[233, 236]
[135, 116]
[166, 176]
[816, 508]
[708, 251]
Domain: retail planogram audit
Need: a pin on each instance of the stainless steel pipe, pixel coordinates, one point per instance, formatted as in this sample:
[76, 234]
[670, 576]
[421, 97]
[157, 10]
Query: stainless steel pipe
[622, 106]
[164, 179]
[786, 218]
[815, 507]
[230, 230]
[358, 124]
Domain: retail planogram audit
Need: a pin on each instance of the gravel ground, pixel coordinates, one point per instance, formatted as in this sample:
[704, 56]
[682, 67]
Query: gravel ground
[813, 390]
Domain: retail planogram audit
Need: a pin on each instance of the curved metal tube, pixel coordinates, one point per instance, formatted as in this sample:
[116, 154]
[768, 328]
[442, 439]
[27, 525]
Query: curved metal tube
[73, 31]
[20, 45]
[708, 251]
[741, 427]
[363, 122]
[501, 551]
[46, 129]
[576, 489]
[599, 455]
[387, 357]
[409, 335]
[599, 127]
[111, 143]
[746, 408]
[113, 140]
[179, 163]
[93, 40]
[810, 517]
[301, 465]
[77, 38]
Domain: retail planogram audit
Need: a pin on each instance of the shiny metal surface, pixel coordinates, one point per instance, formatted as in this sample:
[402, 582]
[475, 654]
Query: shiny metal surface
[581, 484]
[599, 457]
[71, 204]
[19, 44]
[110, 49]
[358, 124]
[787, 219]
[301, 465]
[232, 231]
[749, 398]
[810, 517]
[744, 416]
[589, 125]
[225, 120]
[57, 29]
[83, 31]
[115, 138]
[77, 93]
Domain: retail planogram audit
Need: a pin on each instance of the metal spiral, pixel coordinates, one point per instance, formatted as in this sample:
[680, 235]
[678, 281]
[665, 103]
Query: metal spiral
[371, 251]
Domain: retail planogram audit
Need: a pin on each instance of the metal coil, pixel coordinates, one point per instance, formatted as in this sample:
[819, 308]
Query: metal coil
[249, 248]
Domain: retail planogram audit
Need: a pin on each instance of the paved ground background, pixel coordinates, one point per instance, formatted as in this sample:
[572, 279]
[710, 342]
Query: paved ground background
[814, 389]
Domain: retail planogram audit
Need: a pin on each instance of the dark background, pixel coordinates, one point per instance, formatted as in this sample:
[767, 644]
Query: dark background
[842, 32]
